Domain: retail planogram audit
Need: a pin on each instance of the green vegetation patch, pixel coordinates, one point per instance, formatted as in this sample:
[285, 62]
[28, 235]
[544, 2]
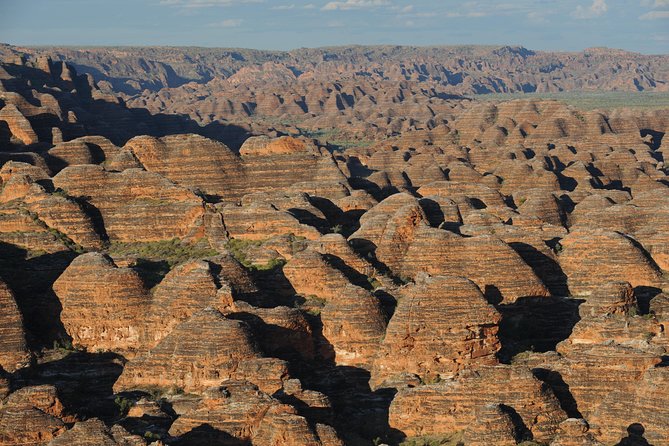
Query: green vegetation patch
[334, 138]
[311, 304]
[172, 251]
[454, 439]
[238, 248]
[592, 100]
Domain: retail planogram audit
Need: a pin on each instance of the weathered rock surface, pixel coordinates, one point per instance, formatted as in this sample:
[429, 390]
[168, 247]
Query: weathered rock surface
[238, 410]
[451, 405]
[193, 362]
[135, 205]
[592, 258]
[104, 307]
[192, 161]
[19, 126]
[487, 261]
[94, 432]
[441, 325]
[353, 326]
[32, 415]
[13, 348]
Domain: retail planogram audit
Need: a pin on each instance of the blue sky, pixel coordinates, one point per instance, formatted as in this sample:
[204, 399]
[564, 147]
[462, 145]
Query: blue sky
[637, 25]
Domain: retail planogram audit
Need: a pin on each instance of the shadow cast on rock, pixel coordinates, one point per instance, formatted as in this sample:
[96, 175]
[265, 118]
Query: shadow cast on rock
[536, 324]
[84, 381]
[635, 436]
[31, 279]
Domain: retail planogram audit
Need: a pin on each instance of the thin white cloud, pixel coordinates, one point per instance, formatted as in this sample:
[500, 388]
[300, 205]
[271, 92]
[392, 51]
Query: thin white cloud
[655, 4]
[355, 4]
[205, 3]
[452, 15]
[229, 23]
[660, 10]
[655, 15]
[537, 17]
[597, 9]
[291, 6]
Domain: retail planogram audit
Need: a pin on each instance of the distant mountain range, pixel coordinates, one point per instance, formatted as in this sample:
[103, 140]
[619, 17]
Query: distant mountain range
[452, 69]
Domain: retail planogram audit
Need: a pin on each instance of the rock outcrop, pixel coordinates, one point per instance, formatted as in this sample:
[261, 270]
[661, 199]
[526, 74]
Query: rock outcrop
[198, 353]
[441, 325]
[32, 415]
[452, 405]
[13, 347]
[135, 205]
[104, 307]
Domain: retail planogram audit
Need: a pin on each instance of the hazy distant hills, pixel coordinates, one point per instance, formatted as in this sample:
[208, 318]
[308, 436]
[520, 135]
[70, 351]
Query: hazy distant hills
[453, 69]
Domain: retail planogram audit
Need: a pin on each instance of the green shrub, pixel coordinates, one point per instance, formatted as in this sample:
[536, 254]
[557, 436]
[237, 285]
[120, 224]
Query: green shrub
[172, 251]
[123, 404]
[151, 436]
[272, 264]
[374, 283]
[584, 100]
[435, 440]
[63, 344]
[430, 378]
[312, 305]
[238, 247]
[297, 243]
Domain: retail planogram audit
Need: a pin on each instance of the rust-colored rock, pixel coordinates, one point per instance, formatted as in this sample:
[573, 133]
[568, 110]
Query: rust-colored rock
[592, 258]
[487, 261]
[19, 126]
[239, 410]
[353, 326]
[32, 415]
[451, 405]
[198, 353]
[94, 432]
[135, 205]
[13, 348]
[441, 325]
[104, 307]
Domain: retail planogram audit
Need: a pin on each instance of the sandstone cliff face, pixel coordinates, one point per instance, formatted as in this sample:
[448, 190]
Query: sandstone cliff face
[192, 161]
[310, 274]
[590, 259]
[497, 269]
[19, 126]
[185, 290]
[239, 410]
[32, 415]
[95, 432]
[103, 306]
[279, 164]
[451, 405]
[352, 319]
[135, 205]
[441, 325]
[353, 324]
[14, 351]
[193, 362]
